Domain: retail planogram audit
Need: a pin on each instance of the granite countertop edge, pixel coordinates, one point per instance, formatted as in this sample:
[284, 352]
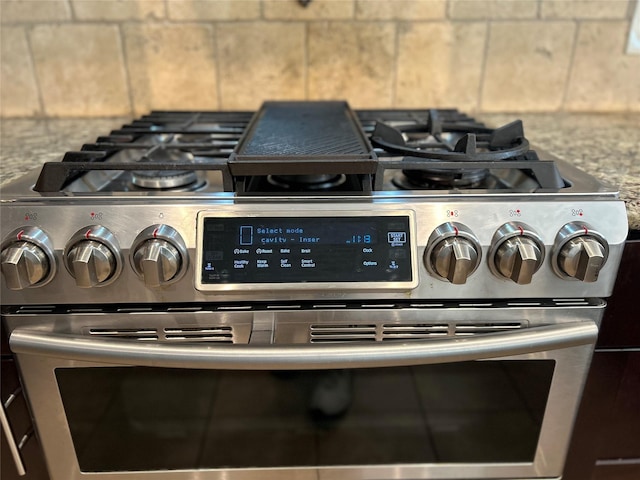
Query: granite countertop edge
[605, 145]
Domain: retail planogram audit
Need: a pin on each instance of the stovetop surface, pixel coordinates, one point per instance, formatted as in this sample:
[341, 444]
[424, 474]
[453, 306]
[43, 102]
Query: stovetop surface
[308, 149]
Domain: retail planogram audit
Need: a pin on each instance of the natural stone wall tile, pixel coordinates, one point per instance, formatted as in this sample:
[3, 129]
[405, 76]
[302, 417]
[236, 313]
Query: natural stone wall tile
[603, 77]
[493, 9]
[118, 9]
[80, 70]
[584, 8]
[440, 64]
[171, 66]
[354, 62]
[213, 9]
[400, 9]
[316, 10]
[12, 11]
[260, 61]
[527, 65]
[18, 89]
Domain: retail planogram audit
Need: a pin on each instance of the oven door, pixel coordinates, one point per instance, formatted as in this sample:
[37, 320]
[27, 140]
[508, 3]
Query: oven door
[496, 405]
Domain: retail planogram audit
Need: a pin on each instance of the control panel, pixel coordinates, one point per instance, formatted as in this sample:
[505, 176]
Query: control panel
[329, 250]
[344, 250]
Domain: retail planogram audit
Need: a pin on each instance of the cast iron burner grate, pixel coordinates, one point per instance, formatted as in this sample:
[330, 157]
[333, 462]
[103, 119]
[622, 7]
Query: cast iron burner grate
[462, 140]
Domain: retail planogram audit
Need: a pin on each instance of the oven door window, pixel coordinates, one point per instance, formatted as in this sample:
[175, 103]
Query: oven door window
[145, 419]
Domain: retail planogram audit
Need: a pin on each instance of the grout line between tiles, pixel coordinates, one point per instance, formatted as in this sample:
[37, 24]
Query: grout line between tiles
[217, 63]
[305, 59]
[483, 68]
[127, 75]
[394, 73]
[567, 81]
[72, 11]
[32, 65]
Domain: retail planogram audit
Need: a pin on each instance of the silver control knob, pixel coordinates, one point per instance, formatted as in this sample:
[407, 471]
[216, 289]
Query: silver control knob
[580, 252]
[91, 263]
[27, 259]
[24, 265]
[517, 253]
[453, 253]
[92, 257]
[158, 260]
[159, 256]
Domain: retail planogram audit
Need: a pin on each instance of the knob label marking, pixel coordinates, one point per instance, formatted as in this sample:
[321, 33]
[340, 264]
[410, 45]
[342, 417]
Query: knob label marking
[577, 212]
[19, 236]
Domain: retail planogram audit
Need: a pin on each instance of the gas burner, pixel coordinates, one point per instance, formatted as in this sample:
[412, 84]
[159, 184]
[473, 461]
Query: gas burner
[307, 182]
[167, 180]
[434, 179]
[183, 180]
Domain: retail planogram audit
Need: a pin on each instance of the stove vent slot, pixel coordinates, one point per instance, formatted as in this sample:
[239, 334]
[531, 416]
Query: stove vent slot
[216, 334]
[462, 329]
[414, 331]
[199, 334]
[146, 334]
[342, 333]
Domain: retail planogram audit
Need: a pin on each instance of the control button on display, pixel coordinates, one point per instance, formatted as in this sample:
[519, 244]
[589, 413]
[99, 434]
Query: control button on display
[396, 239]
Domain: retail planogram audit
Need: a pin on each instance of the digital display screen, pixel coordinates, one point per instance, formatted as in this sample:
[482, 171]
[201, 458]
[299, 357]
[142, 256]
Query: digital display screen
[316, 249]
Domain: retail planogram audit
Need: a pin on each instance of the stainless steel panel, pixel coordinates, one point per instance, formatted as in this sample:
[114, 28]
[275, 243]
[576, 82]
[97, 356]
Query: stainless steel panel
[483, 216]
[571, 366]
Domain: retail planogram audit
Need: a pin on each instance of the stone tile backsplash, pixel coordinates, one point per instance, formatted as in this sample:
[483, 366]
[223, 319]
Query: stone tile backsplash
[77, 58]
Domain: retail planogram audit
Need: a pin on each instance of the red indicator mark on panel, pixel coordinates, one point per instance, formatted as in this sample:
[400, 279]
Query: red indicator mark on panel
[455, 229]
[586, 230]
[521, 230]
[86, 235]
[155, 233]
[20, 233]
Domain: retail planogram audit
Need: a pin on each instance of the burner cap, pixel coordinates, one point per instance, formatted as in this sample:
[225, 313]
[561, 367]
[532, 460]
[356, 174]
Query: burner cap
[165, 179]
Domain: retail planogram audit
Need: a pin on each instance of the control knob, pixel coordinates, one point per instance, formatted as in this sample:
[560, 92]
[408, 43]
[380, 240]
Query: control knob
[453, 253]
[27, 258]
[517, 253]
[159, 255]
[92, 257]
[580, 252]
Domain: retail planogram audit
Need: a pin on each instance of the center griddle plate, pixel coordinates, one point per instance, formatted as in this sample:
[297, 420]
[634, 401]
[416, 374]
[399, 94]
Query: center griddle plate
[303, 138]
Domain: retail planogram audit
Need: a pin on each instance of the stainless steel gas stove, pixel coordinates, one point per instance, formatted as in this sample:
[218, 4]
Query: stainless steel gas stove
[342, 271]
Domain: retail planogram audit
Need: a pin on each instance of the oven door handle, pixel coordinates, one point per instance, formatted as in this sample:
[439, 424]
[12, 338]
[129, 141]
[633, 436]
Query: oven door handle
[302, 357]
